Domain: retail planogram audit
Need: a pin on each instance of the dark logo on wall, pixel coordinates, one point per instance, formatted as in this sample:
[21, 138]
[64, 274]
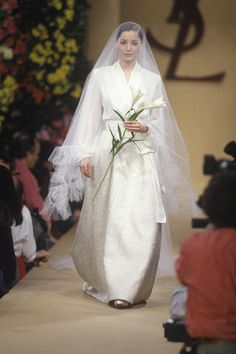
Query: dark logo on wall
[187, 15]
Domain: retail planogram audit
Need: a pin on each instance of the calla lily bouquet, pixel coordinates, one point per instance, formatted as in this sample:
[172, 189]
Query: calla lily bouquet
[120, 139]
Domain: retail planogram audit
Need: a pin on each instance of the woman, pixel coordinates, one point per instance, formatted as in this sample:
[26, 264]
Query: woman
[23, 238]
[117, 245]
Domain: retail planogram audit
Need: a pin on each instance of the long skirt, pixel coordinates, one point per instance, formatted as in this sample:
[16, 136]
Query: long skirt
[117, 245]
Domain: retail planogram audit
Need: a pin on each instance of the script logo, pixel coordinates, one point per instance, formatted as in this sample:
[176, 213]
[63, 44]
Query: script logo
[186, 14]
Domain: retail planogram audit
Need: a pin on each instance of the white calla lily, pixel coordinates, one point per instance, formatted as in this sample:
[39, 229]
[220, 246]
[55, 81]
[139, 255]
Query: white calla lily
[136, 96]
[159, 102]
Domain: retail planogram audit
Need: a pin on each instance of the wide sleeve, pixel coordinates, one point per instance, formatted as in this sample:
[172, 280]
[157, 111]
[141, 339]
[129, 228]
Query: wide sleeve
[86, 125]
[67, 181]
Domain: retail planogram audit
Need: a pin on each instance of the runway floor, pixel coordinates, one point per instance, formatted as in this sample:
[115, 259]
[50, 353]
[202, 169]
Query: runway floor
[47, 313]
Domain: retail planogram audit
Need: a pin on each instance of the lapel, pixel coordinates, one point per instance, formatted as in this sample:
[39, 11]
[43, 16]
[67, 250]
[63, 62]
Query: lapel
[123, 87]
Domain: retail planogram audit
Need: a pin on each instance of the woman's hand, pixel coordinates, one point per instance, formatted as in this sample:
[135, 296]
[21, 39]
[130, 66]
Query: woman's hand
[85, 166]
[135, 127]
[43, 255]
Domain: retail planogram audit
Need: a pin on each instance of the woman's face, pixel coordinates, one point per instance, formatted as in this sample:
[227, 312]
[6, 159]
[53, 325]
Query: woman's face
[33, 156]
[128, 45]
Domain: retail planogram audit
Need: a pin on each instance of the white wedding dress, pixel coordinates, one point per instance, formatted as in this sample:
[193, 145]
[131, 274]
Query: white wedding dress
[121, 234]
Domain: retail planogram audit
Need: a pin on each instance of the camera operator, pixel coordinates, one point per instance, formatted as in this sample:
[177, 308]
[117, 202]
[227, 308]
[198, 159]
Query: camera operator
[206, 265]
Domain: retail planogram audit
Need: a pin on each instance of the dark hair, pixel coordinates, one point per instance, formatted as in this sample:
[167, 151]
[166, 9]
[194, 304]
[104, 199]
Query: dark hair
[219, 199]
[21, 145]
[5, 155]
[47, 148]
[10, 206]
[130, 26]
[19, 190]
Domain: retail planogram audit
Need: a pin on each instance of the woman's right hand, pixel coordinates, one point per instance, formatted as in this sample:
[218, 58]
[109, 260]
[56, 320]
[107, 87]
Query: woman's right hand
[85, 166]
[43, 255]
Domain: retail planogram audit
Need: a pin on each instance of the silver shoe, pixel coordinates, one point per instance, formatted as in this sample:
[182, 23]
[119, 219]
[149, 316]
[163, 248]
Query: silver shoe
[120, 304]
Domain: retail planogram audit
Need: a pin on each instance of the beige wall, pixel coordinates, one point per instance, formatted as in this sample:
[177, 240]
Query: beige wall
[103, 18]
[205, 111]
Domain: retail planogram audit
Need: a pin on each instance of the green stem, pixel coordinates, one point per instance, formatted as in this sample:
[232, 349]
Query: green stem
[114, 153]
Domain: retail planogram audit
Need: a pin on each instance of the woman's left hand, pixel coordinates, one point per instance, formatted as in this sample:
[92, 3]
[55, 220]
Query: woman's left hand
[135, 127]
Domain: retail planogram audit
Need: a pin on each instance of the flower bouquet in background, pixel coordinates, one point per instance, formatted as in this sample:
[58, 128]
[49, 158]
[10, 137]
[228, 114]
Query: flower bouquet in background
[120, 139]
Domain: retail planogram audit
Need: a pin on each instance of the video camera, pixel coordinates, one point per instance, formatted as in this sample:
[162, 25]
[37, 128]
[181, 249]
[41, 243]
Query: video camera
[211, 166]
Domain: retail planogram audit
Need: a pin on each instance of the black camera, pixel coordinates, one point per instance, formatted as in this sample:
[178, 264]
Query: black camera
[211, 166]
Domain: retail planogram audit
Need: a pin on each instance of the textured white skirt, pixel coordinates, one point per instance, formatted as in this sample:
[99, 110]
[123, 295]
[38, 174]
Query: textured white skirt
[117, 245]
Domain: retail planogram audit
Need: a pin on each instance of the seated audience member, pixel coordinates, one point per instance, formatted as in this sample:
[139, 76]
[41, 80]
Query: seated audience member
[10, 212]
[43, 167]
[23, 239]
[7, 258]
[25, 151]
[9, 199]
[5, 159]
[207, 266]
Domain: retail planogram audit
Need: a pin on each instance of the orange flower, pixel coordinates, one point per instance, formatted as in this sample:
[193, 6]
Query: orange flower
[21, 45]
[36, 93]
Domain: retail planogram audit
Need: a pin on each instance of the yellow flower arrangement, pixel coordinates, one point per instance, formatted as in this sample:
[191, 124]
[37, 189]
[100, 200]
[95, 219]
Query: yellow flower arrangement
[40, 31]
[6, 52]
[76, 92]
[59, 36]
[59, 75]
[57, 4]
[60, 89]
[38, 59]
[10, 82]
[7, 92]
[69, 14]
[61, 22]
[71, 46]
[41, 52]
[70, 3]
[68, 59]
[41, 55]
[39, 74]
[56, 56]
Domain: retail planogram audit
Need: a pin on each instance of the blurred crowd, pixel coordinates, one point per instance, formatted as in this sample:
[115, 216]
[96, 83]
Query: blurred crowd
[26, 236]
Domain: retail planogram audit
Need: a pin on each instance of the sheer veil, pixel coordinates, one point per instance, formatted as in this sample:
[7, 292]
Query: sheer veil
[172, 163]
